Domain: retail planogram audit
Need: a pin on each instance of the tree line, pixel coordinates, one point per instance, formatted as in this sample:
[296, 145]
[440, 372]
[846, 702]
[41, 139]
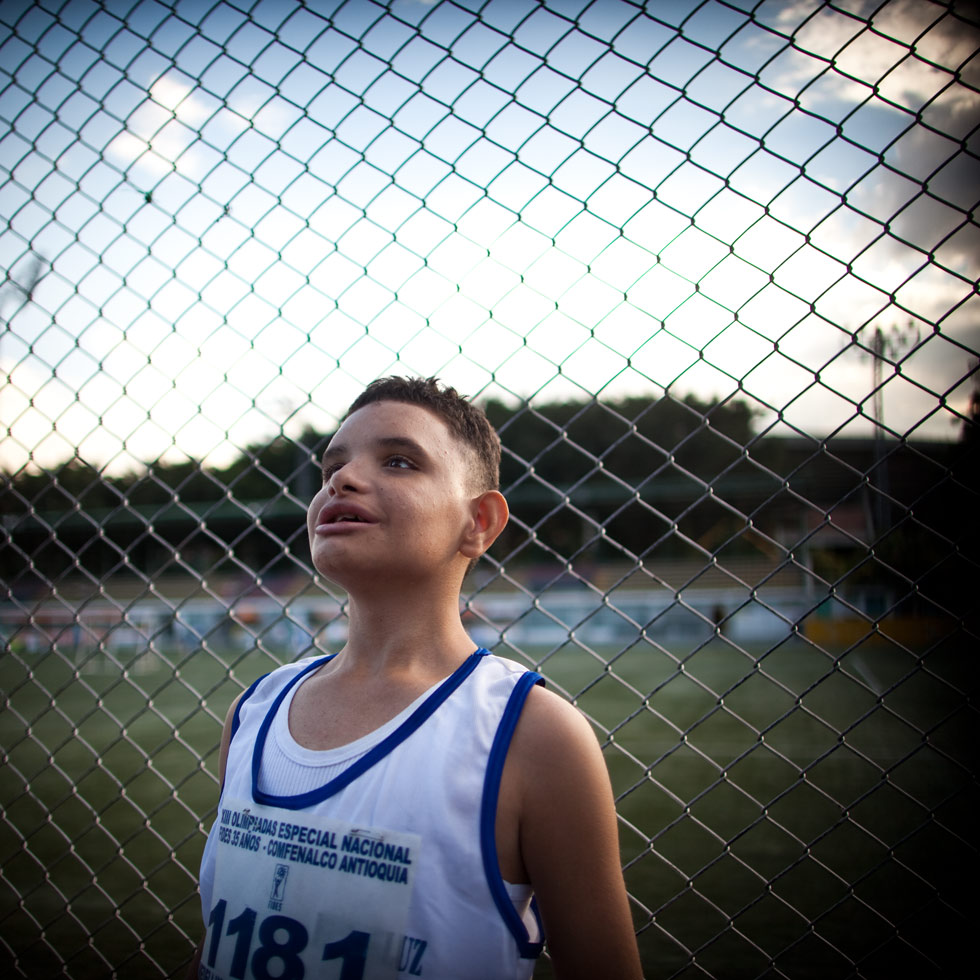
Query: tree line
[588, 481]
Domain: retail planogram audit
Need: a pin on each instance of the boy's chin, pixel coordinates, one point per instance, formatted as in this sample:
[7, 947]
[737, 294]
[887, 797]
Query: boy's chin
[363, 576]
[332, 571]
[351, 573]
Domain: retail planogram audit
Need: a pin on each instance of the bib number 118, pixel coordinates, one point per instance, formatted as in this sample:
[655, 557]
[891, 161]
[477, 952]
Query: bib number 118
[282, 940]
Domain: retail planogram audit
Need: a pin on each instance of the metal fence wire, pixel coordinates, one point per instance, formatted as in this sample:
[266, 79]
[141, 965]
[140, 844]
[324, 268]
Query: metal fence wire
[710, 266]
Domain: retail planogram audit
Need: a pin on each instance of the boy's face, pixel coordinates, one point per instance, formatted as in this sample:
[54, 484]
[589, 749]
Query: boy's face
[395, 498]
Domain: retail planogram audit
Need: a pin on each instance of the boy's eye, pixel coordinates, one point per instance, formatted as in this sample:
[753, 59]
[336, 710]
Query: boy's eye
[389, 462]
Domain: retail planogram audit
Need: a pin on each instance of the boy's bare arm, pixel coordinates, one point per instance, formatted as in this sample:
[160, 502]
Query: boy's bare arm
[570, 843]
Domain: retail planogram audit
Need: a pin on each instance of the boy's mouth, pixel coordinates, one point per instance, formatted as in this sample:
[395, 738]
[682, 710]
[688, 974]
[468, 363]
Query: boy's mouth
[336, 514]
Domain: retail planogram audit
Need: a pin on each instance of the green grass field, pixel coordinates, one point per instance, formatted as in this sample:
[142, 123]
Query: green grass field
[783, 813]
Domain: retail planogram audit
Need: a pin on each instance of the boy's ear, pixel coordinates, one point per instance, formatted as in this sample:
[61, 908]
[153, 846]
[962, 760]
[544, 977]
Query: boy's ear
[489, 517]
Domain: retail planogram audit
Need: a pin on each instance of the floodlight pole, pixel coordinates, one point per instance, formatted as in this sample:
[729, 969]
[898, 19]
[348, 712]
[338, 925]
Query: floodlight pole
[892, 345]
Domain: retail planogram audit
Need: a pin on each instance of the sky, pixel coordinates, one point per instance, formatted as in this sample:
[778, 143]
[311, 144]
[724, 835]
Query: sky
[237, 215]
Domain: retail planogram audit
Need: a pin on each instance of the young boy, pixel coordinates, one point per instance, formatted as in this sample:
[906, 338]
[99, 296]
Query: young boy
[390, 811]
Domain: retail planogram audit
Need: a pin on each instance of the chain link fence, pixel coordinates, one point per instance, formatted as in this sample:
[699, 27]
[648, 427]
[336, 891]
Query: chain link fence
[711, 268]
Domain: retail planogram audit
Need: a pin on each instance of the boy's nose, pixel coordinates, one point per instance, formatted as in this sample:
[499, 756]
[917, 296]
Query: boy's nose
[344, 479]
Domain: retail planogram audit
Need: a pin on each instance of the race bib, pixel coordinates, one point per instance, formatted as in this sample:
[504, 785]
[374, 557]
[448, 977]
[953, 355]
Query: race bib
[296, 895]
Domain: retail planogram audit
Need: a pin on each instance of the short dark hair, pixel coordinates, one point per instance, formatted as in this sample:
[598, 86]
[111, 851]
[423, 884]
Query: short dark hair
[466, 421]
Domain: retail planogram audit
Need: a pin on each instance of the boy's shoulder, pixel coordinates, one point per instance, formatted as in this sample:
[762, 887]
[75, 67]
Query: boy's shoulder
[551, 721]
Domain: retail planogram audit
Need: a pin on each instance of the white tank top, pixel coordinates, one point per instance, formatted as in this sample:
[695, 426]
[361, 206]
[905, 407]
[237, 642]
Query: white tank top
[376, 860]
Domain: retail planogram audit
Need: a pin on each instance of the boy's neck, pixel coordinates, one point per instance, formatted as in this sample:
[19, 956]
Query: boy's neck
[396, 650]
[406, 630]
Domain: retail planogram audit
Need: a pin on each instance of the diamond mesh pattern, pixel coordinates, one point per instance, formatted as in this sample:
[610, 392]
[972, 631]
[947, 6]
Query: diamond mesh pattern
[711, 267]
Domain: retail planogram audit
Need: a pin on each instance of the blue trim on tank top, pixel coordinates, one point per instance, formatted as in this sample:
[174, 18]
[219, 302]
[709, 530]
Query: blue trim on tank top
[236, 719]
[488, 820]
[411, 724]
